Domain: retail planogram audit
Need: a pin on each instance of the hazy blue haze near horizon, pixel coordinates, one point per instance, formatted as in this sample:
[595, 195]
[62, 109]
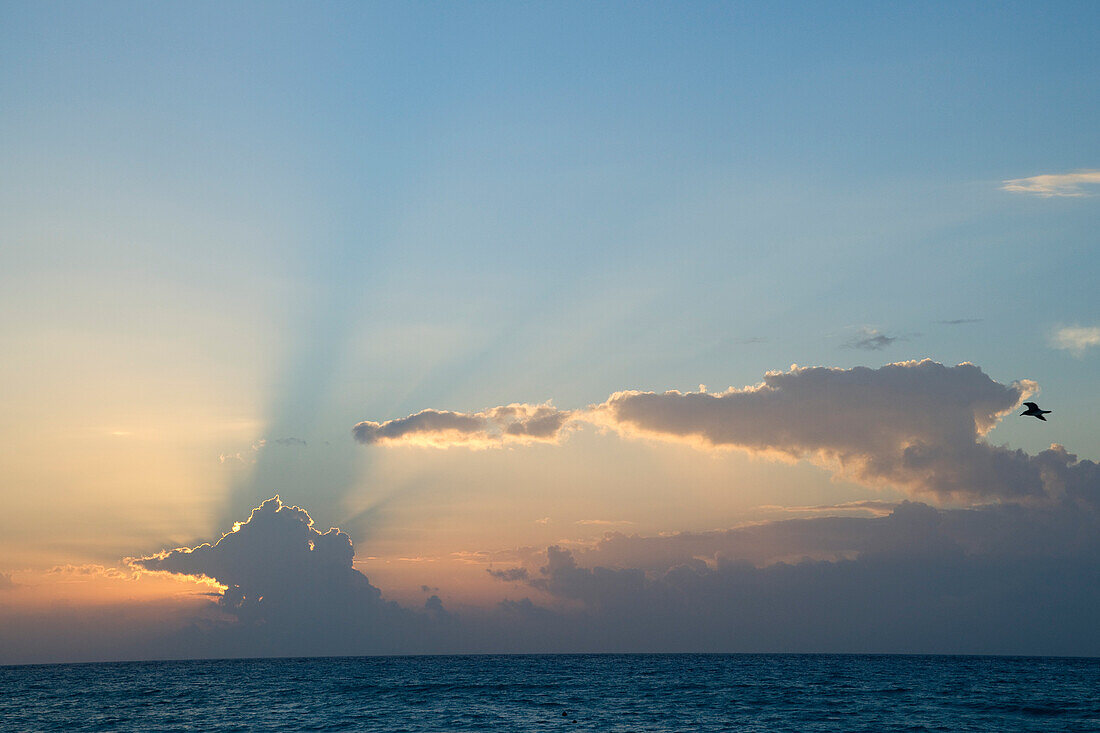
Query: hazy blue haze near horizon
[562, 693]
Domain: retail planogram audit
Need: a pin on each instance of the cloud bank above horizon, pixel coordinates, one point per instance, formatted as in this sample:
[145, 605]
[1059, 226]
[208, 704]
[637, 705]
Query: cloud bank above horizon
[795, 585]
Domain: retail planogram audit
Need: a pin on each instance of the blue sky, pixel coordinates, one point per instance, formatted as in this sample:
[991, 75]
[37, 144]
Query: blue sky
[229, 224]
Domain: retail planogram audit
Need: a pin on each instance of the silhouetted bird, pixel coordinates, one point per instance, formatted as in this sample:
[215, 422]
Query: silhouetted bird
[1034, 411]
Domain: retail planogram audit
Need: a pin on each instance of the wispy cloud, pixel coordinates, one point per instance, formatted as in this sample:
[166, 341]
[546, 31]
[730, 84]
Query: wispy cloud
[604, 522]
[1054, 184]
[874, 507]
[960, 321]
[92, 570]
[1077, 339]
[870, 339]
[250, 456]
[492, 428]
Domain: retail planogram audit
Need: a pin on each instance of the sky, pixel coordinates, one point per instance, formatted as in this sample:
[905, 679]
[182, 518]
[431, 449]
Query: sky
[613, 327]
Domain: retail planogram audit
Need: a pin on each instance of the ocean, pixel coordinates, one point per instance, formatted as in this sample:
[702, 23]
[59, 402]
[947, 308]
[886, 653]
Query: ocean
[660, 692]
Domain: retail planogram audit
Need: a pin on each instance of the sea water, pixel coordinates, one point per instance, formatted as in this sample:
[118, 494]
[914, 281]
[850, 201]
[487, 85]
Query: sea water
[676, 692]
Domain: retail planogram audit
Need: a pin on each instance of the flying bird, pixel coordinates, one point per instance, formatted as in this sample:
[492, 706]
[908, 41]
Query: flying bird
[1034, 411]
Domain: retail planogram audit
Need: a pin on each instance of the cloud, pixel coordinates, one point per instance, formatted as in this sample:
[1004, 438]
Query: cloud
[247, 457]
[509, 574]
[867, 506]
[912, 425]
[960, 321]
[604, 522]
[919, 580]
[1077, 339]
[869, 339]
[6, 582]
[1054, 184]
[92, 570]
[1063, 529]
[913, 588]
[289, 442]
[916, 580]
[498, 426]
[276, 566]
[917, 426]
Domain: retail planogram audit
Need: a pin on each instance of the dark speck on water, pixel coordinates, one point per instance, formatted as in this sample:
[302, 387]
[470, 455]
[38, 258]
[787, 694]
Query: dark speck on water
[677, 692]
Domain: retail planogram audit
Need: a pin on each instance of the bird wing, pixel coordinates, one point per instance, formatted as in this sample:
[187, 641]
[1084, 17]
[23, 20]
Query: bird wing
[1041, 418]
[1032, 405]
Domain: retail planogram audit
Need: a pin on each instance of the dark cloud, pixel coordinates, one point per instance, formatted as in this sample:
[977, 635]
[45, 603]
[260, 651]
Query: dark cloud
[497, 426]
[509, 574]
[281, 572]
[1007, 579]
[869, 339]
[960, 321]
[924, 580]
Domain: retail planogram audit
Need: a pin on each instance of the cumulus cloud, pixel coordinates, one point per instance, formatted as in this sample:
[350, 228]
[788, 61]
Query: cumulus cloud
[1054, 184]
[1077, 339]
[276, 566]
[918, 426]
[495, 427]
[912, 425]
